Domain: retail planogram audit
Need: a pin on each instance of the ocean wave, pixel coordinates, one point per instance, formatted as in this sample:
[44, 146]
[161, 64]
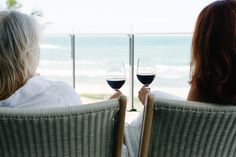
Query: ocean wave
[163, 72]
[172, 72]
[50, 62]
[52, 47]
[98, 68]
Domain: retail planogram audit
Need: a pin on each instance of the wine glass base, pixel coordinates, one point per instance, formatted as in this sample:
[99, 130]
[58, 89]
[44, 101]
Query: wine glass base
[132, 110]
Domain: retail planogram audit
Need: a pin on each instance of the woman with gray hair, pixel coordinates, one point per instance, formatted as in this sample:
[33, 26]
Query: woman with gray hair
[19, 59]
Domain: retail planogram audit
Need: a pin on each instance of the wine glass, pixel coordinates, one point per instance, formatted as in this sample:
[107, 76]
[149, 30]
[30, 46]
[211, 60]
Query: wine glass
[146, 72]
[115, 76]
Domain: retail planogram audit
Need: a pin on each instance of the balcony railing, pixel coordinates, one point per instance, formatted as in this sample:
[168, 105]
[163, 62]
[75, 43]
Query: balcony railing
[82, 60]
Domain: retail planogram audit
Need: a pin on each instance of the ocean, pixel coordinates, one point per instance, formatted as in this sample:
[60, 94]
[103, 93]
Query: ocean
[170, 54]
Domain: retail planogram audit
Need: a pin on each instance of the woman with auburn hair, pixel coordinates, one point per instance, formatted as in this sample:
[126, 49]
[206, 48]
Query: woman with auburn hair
[20, 86]
[213, 64]
[213, 59]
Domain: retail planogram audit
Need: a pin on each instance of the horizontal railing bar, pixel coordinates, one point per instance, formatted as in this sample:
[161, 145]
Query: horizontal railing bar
[156, 33]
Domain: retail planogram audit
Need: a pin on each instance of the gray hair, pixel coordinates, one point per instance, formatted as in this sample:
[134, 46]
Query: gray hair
[19, 50]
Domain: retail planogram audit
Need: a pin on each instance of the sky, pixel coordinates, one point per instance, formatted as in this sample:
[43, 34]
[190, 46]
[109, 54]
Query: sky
[117, 16]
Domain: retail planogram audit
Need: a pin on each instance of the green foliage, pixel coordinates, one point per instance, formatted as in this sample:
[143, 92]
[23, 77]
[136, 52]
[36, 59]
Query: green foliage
[13, 4]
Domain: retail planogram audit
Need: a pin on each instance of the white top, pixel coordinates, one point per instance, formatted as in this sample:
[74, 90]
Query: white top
[41, 93]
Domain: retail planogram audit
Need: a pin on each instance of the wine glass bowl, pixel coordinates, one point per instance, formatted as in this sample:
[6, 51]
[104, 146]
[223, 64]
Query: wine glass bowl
[115, 76]
[146, 72]
[115, 83]
[146, 79]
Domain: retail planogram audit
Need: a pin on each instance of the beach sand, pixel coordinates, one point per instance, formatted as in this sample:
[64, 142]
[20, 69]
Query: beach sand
[100, 93]
[94, 93]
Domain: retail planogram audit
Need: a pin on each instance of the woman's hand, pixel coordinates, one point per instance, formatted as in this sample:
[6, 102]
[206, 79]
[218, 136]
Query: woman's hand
[117, 94]
[143, 93]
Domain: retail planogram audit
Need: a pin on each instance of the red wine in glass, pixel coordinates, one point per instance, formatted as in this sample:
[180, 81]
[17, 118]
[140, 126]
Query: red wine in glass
[146, 72]
[145, 78]
[116, 75]
[115, 83]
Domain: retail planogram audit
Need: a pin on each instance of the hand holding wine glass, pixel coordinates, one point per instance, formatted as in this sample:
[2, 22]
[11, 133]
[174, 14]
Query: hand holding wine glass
[142, 94]
[116, 75]
[146, 73]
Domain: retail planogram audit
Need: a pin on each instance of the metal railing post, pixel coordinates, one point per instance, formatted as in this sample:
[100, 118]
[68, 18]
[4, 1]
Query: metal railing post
[131, 67]
[73, 57]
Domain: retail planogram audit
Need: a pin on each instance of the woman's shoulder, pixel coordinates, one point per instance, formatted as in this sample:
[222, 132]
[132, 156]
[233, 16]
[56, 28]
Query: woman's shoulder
[58, 91]
[41, 81]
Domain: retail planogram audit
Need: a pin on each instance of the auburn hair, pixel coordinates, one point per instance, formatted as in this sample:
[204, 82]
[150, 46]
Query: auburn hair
[213, 60]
